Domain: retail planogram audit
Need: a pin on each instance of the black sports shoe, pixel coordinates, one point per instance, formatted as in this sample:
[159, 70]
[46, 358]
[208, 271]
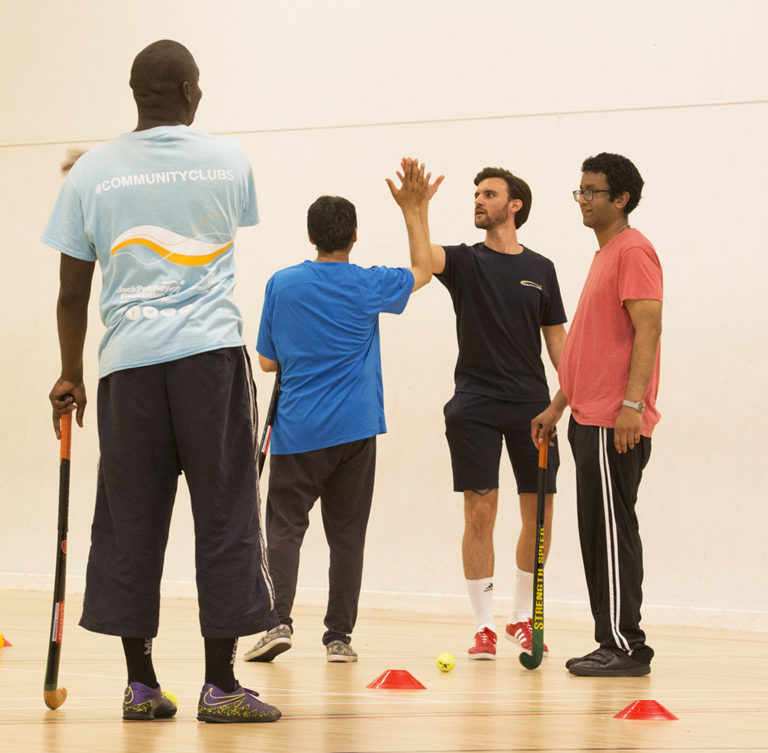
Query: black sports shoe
[607, 662]
[577, 658]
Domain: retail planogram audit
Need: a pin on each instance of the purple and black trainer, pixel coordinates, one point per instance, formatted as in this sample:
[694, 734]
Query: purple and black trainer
[142, 703]
[241, 705]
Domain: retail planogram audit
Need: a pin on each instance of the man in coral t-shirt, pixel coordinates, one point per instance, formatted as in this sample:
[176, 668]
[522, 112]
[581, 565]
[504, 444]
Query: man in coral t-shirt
[609, 376]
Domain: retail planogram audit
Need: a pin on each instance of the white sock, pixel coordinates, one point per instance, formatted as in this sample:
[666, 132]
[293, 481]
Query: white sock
[523, 602]
[481, 597]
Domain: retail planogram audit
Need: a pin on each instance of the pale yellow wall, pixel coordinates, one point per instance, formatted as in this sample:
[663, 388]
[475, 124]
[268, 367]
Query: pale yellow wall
[326, 98]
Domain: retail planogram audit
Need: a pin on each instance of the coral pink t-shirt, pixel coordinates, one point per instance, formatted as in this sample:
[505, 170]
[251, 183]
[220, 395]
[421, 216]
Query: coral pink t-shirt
[594, 365]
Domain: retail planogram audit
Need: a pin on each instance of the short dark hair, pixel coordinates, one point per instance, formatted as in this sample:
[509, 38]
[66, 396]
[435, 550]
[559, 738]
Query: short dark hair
[517, 188]
[331, 223]
[159, 69]
[621, 175]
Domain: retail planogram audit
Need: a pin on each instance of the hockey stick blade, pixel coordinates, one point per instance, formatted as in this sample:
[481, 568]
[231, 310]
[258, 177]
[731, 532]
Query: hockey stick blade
[54, 698]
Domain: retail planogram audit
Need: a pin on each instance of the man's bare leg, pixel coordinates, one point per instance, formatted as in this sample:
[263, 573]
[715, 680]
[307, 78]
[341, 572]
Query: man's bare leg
[478, 557]
[479, 520]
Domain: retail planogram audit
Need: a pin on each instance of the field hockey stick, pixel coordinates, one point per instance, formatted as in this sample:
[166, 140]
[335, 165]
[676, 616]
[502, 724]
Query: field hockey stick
[53, 695]
[532, 660]
[269, 421]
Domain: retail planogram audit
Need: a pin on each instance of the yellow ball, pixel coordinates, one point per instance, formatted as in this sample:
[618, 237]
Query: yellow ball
[171, 696]
[445, 662]
[2, 640]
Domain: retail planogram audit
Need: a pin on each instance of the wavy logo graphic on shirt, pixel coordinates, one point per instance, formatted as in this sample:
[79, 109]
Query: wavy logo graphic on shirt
[187, 251]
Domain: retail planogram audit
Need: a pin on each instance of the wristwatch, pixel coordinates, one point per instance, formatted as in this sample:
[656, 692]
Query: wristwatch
[639, 406]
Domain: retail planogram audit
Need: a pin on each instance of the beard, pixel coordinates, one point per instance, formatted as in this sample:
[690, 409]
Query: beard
[490, 221]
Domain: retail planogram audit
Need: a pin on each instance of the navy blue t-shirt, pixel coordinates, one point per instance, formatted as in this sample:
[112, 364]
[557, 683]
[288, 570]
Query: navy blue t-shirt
[501, 302]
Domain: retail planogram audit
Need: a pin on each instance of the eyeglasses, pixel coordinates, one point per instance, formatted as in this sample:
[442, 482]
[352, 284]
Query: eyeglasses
[588, 193]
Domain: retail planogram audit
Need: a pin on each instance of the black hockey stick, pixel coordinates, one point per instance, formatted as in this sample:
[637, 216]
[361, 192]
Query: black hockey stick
[532, 660]
[269, 421]
[53, 695]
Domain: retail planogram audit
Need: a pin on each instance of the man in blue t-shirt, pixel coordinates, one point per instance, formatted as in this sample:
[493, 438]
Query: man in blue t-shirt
[158, 209]
[505, 297]
[320, 325]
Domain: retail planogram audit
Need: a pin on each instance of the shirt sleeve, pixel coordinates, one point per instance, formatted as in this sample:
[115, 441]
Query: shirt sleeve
[554, 311]
[395, 286]
[250, 214]
[448, 276]
[640, 275]
[66, 230]
[265, 345]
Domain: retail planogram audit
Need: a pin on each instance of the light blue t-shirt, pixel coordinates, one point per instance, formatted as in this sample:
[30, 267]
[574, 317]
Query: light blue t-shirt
[320, 322]
[159, 209]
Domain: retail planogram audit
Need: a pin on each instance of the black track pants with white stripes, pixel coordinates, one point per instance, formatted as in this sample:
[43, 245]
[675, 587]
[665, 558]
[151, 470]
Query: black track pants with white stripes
[611, 549]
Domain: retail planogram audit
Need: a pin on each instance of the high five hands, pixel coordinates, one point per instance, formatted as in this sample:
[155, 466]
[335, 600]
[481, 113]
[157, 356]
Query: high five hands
[415, 187]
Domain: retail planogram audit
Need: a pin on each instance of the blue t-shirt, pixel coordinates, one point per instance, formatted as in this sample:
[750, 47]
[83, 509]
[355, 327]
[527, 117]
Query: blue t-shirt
[320, 322]
[159, 209]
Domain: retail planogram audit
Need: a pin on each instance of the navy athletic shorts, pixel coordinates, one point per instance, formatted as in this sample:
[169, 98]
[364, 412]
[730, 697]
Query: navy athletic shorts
[475, 426]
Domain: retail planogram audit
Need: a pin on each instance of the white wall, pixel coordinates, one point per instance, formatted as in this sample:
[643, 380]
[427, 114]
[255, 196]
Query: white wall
[326, 97]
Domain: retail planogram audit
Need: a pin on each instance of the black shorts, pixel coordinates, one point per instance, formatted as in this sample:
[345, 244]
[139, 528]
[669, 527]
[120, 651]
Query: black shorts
[474, 427]
[195, 415]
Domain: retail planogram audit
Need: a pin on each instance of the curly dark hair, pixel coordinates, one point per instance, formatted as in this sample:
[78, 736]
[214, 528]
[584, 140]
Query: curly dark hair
[331, 223]
[621, 174]
[517, 188]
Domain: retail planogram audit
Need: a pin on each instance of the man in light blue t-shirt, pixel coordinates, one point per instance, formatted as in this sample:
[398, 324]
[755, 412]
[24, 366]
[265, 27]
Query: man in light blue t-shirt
[158, 209]
[320, 325]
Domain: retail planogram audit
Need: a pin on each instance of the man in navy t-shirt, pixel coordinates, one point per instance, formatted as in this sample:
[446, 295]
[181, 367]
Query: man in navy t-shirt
[505, 297]
[320, 324]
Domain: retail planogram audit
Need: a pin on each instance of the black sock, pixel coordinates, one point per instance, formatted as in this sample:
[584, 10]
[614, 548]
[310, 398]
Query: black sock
[138, 657]
[220, 662]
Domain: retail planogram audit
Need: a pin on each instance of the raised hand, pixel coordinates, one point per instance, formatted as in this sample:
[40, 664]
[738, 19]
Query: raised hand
[431, 187]
[414, 184]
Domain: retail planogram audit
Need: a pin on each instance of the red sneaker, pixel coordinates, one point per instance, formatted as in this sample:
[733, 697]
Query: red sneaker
[485, 645]
[522, 634]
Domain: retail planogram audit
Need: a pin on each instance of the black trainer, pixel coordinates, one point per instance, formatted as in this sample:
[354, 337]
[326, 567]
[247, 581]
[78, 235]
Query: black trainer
[607, 662]
[575, 659]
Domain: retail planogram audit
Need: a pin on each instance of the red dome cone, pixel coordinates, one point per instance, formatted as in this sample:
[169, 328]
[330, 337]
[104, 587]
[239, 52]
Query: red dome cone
[396, 679]
[646, 710]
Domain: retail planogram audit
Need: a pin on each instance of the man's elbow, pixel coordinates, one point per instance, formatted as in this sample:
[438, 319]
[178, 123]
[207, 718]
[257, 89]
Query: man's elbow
[420, 278]
[74, 296]
[652, 327]
[438, 261]
[267, 364]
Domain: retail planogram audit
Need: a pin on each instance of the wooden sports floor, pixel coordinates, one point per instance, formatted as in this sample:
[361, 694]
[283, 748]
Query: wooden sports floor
[714, 681]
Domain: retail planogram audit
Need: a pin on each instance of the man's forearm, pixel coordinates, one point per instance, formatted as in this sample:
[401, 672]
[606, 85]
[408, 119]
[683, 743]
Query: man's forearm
[646, 319]
[559, 402]
[72, 318]
[75, 276]
[644, 349]
[418, 242]
[554, 337]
